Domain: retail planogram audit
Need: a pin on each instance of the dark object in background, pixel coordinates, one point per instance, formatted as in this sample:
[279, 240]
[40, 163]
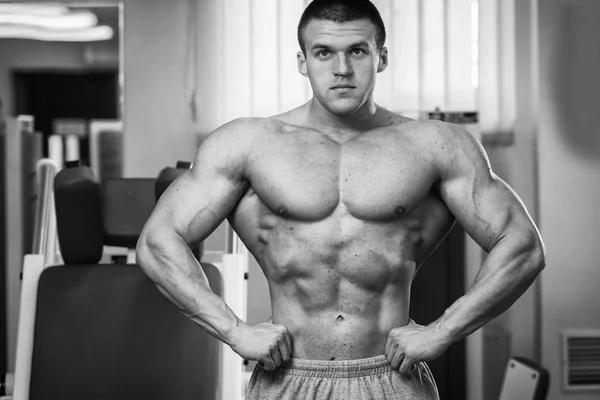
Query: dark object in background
[110, 152]
[126, 206]
[77, 201]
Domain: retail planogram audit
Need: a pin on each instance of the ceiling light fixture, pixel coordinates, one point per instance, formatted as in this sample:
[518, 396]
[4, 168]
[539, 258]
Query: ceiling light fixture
[34, 9]
[96, 33]
[79, 20]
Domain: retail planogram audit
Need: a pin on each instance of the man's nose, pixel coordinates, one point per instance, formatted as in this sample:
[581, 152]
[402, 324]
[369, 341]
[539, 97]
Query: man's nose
[342, 66]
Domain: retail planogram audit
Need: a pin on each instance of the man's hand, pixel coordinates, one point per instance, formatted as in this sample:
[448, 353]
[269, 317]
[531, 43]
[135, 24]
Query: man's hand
[413, 343]
[267, 343]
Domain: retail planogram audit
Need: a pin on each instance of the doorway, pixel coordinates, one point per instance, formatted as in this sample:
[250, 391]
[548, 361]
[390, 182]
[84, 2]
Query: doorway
[50, 95]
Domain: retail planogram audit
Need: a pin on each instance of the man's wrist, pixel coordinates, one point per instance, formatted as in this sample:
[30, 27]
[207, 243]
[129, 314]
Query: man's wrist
[231, 333]
[447, 335]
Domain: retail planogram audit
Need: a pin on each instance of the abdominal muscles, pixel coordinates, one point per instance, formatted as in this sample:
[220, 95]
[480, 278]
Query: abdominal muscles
[339, 290]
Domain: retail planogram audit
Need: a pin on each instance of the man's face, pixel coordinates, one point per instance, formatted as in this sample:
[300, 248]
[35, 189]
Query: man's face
[341, 62]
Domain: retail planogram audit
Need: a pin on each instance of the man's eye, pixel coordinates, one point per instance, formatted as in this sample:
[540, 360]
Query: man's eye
[357, 52]
[323, 53]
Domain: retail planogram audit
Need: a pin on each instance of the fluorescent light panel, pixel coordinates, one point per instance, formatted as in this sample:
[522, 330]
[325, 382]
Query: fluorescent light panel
[79, 20]
[50, 22]
[96, 33]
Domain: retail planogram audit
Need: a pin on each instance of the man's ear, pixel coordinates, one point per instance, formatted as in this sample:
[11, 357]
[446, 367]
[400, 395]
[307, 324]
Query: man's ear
[302, 63]
[383, 59]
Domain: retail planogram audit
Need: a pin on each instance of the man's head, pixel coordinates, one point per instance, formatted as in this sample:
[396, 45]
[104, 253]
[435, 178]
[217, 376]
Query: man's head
[342, 52]
[341, 11]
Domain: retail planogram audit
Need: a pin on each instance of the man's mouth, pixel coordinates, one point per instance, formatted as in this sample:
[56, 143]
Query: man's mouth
[343, 87]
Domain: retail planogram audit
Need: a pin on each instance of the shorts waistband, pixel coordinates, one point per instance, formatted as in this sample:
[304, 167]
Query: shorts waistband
[336, 369]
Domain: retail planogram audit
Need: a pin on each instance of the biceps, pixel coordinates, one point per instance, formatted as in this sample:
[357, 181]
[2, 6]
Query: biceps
[487, 208]
[194, 206]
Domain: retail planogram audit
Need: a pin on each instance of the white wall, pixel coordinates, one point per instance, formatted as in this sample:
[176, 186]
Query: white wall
[569, 174]
[158, 131]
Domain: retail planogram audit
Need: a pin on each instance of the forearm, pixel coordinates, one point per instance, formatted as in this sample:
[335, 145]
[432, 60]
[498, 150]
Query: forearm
[509, 269]
[170, 264]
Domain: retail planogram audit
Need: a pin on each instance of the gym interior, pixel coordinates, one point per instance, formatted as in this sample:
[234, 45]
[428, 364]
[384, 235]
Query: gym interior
[105, 117]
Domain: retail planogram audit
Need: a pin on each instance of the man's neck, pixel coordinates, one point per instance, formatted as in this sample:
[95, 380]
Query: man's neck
[359, 121]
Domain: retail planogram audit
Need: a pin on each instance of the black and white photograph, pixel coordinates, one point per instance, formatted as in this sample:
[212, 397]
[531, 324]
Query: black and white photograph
[299, 200]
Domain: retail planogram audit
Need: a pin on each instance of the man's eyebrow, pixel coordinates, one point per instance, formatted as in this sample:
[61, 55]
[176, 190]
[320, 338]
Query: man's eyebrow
[362, 43]
[318, 45]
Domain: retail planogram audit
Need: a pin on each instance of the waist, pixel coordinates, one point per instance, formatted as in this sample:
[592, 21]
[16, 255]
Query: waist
[336, 369]
[333, 337]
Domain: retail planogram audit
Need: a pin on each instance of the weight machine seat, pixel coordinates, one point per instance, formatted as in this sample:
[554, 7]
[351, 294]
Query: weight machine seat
[105, 331]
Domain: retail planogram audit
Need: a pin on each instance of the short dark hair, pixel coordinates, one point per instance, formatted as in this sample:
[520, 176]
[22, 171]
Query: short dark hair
[340, 11]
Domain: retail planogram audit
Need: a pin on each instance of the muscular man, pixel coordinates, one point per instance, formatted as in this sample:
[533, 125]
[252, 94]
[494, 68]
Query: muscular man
[340, 201]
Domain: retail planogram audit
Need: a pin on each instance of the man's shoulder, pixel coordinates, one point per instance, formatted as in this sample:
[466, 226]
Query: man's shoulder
[445, 145]
[451, 147]
[241, 131]
[426, 128]
[437, 135]
[246, 126]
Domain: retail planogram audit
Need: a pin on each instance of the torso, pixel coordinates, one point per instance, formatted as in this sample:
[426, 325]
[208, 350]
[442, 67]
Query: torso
[340, 225]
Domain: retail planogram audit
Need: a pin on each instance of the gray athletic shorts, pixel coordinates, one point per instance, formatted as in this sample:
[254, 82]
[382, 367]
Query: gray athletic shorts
[367, 378]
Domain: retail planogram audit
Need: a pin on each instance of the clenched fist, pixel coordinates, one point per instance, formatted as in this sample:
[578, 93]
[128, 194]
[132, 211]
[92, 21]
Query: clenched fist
[267, 343]
[413, 343]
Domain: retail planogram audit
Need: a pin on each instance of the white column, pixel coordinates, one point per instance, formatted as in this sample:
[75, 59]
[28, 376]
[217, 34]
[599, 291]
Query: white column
[264, 53]
[404, 56]
[433, 54]
[294, 89]
[55, 150]
[72, 148]
[236, 59]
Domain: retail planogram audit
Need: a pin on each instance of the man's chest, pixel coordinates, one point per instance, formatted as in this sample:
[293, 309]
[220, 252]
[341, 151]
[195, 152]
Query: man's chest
[374, 178]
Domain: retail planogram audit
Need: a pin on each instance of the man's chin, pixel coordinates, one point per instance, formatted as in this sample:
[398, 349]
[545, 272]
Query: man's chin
[344, 107]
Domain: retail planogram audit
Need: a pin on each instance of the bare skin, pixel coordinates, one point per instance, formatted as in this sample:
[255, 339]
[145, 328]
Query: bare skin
[340, 201]
[337, 232]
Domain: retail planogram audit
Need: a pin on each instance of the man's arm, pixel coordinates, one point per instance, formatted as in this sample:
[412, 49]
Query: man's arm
[497, 220]
[494, 216]
[187, 212]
